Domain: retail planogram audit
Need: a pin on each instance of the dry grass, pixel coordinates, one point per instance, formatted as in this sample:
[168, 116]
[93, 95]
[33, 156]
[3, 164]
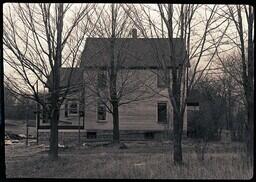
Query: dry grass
[108, 162]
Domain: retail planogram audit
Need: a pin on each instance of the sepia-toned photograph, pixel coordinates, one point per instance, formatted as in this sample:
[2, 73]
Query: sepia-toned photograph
[127, 91]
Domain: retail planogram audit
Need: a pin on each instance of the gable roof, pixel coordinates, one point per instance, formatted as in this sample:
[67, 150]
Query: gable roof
[65, 74]
[132, 52]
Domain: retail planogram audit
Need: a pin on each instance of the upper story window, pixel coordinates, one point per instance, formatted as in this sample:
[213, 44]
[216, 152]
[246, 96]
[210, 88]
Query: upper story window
[101, 111]
[161, 83]
[71, 108]
[162, 112]
[102, 79]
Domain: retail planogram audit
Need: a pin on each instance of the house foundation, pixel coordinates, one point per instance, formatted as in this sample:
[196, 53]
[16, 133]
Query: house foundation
[72, 137]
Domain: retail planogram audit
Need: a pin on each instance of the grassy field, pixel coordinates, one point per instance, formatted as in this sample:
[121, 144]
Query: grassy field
[147, 160]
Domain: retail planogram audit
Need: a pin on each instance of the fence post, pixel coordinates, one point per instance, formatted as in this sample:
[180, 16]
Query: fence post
[37, 115]
[27, 124]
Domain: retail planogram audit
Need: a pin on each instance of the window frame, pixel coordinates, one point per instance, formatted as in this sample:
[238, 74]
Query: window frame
[91, 135]
[69, 103]
[149, 135]
[167, 118]
[99, 104]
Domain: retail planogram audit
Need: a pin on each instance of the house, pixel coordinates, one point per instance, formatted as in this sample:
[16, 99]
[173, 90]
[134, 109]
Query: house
[144, 112]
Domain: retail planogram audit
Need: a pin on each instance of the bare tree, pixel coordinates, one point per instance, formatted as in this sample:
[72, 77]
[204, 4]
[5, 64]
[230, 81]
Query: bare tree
[248, 65]
[231, 80]
[39, 39]
[242, 17]
[185, 22]
[2, 125]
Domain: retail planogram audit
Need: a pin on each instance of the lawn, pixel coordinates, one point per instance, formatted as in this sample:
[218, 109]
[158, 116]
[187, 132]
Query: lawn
[151, 160]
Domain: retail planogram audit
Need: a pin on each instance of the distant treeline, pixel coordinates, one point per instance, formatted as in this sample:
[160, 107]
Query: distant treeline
[16, 107]
[19, 112]
[218, 111]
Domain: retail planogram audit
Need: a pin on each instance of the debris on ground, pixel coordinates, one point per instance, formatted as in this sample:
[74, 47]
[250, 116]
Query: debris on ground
[167, 142]
[61, 146]
[8, 142]
[32, 141]
[46, 147]
[139, 164]
[123, 146]
[12, 136]
[31, 137]
[15, 141]
[95, 144]
[22, 136]
[6, 136]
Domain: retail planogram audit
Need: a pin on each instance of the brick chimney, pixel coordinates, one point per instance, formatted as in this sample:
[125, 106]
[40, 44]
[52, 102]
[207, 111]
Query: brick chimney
[134, 33]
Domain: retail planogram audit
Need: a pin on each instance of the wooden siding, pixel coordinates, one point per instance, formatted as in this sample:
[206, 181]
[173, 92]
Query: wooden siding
[136, 116]
[139, 115]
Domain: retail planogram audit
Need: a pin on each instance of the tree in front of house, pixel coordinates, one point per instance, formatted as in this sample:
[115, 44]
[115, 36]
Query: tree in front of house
[39, 39]
[184, 22]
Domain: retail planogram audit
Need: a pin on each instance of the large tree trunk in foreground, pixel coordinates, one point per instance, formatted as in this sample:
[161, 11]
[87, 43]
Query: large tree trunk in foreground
[53, 153]
[177, 128]
[177, 133]
[250, 86]
[250, 131]
[113, 78]
[115, 114]
[56, 87]
[2, 125]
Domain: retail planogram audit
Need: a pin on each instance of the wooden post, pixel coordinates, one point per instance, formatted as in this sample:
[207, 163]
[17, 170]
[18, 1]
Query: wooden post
[79, 126]
[27, 124]
[2, 125]
[37, 115]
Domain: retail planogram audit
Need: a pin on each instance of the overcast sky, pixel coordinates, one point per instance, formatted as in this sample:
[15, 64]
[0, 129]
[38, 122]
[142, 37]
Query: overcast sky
[153, 9]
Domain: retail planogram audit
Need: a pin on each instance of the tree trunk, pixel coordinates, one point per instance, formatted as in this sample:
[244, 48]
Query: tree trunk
[113, 78]
[2, 125]
[250, 131]
[115, 115]
[174, 94]
[56, 86]
[177, 132]
[177, 120]
[53, 153]
[250, 91]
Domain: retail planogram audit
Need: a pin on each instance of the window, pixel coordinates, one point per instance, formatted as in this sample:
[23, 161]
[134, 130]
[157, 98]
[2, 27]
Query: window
[66, 110]
[162, 112]
[149, 135]
[91, 135]
[101, 111]
[102, 79]
[71, 108]
[161, 80]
